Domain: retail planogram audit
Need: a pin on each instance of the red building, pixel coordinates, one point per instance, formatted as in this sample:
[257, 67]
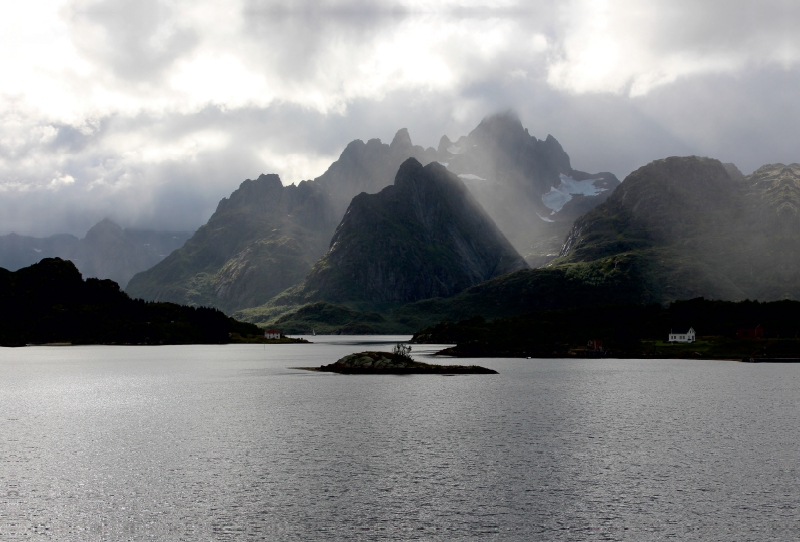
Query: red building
[751, 332]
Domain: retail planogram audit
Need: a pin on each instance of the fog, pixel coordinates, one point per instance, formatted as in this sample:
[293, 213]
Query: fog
[150, 112]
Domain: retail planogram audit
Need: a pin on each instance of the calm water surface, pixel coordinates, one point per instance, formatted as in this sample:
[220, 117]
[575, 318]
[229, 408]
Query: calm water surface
[233, 443]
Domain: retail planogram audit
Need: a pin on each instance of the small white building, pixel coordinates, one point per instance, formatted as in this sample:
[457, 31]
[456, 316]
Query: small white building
[272, 334]
[688, 337]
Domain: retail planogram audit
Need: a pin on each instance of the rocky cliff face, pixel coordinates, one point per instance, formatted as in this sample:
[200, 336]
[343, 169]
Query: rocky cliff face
[423, 237]
[369, 167]
[699, 230]
[107, 251]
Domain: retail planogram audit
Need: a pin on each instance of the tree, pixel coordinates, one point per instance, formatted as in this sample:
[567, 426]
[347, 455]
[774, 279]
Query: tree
[402, 350]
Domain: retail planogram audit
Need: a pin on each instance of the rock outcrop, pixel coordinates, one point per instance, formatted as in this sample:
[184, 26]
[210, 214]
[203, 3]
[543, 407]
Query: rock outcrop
[389, 363]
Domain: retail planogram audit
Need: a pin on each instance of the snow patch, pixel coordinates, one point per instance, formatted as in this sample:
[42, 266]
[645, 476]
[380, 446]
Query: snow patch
[444, 163]
[545, 219]
[470, 177]
[37, 249]
[568, 187]
[454, 150]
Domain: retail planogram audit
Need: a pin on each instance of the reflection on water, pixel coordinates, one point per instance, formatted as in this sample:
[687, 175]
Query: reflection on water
[232, 443]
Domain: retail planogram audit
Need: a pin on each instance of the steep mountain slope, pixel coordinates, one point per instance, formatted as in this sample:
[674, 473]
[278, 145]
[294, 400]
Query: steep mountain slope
[425, 236]
[700, 231]
[369, 167]
[107, 251]
[260, 241]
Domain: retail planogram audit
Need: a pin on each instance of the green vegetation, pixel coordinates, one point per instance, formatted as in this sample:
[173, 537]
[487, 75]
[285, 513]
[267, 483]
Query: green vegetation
[49, 302]
[570, 285]
[629, 330]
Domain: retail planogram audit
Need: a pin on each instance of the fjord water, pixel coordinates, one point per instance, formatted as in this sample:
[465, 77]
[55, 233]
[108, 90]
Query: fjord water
[233, 443]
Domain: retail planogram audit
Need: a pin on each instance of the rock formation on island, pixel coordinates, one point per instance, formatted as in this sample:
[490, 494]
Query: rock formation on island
[391, 363]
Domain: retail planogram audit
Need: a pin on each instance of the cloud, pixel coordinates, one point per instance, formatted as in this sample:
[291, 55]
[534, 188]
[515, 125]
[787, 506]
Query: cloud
[632, 47]
[150, 111]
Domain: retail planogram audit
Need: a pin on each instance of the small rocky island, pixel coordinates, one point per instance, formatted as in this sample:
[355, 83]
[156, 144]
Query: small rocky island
[393, 363]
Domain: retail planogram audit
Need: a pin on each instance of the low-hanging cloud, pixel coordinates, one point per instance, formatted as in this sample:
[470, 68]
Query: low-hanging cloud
[149, 112]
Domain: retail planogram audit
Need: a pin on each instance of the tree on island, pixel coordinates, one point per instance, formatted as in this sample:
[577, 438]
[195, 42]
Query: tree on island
[402, 350]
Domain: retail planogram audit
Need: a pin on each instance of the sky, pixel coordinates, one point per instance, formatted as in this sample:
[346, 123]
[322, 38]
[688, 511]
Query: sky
[148, 112]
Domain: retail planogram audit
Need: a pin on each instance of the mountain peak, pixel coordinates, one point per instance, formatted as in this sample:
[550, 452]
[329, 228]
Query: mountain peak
[401, 140]
[423, 237]
[507, 122]
[104, 228]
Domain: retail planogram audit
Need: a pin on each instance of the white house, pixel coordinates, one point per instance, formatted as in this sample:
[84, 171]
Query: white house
[272, 334]
[688, 337]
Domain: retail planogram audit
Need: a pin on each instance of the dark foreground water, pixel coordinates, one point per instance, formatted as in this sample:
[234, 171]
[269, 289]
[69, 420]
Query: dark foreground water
[231, 443]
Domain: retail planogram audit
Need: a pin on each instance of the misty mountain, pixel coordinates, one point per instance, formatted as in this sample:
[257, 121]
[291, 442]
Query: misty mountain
[369, 167]
[697, 230]
[107, 251]
[235, 263]
[18, 251]
[425, 236]
[527, 185]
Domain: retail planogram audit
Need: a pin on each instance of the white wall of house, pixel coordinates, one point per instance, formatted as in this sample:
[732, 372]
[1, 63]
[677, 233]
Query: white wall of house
[688, 337]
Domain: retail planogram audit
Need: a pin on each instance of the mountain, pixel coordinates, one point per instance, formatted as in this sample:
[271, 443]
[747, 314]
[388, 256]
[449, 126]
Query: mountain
[527, 185]
[17, 251]
[425, 236]
[700, 231]
[236, 263]
[260, 241]
[107, 251]
[369, 167]
[50, 302]
[677, 228]
[266, 236]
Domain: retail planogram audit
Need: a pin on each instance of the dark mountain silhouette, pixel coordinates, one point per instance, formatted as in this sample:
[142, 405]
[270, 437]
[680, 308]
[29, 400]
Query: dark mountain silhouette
[425, 236]
[50, 302]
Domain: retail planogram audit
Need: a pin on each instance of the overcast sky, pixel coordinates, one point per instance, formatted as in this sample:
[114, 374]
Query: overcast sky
[149, 111]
